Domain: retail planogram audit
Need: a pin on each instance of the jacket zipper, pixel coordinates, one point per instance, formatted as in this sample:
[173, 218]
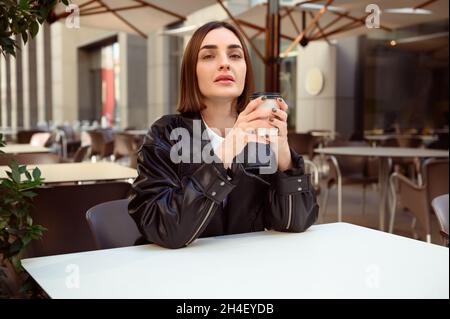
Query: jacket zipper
[289, 211]
[201, 225]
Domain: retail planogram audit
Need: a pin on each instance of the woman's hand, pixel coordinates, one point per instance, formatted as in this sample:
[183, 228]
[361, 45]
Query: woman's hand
[280, 143]
[246, 128]
[244, 131]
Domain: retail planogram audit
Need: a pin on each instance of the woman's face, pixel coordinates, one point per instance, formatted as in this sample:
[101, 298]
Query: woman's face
[221, 66]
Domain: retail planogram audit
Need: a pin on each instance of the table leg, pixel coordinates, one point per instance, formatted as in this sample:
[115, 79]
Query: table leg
[383, 181]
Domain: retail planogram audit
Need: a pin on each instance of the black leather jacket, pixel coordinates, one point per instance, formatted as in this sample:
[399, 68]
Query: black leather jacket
[173, 204]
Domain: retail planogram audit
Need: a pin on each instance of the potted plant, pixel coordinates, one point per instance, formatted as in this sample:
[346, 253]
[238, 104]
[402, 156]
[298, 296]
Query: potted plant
[16, 228]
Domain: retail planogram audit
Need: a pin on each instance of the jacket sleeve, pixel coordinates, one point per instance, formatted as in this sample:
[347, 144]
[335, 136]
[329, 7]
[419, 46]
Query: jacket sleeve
[291, 202]
[170, 211]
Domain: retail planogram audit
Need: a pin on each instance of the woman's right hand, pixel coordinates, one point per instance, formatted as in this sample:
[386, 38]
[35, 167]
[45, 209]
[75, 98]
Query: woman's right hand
[245, 130]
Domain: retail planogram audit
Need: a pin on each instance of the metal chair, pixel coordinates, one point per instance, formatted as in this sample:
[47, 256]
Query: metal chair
[111, 225]
[102, 143]
[416, 198]
[440, 206]
[349, 170]
[40, 139]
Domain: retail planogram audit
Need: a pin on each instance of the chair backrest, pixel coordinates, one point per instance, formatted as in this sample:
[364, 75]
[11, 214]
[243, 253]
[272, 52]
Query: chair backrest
[69, 132]
[440, 206]
[62, 210]
[30, 158]
[111, 225]
[102, 142]
[81, 153]
[435, 175]
[40, 139]
[124, 145]
[302, 143]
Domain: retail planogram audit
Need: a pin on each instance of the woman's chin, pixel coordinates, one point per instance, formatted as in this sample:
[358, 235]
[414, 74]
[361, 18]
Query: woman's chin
[224, 93]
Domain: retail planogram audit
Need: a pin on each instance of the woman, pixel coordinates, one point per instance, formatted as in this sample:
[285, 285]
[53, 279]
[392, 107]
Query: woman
[175, 201]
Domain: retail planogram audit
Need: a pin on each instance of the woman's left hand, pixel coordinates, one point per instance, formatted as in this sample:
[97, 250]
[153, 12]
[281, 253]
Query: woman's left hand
[281, 146]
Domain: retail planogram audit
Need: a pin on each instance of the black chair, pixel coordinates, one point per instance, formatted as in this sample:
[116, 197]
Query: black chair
[62, 210]
[111, 225]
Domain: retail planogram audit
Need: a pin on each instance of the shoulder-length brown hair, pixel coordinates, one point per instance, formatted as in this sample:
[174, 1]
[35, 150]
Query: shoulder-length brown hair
[190, 98]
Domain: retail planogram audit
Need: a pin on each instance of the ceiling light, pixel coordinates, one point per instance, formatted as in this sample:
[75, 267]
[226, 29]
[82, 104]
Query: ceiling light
[408, 11]
[313, 6]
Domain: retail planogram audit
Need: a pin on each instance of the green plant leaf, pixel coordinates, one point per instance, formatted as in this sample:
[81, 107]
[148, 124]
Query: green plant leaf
[24, 5]
[34, 28]
[22, 169]
[26, 240]
[36, 173]
[29, 220]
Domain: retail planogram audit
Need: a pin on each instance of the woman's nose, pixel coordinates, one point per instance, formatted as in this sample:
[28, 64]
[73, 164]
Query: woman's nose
[224, 65]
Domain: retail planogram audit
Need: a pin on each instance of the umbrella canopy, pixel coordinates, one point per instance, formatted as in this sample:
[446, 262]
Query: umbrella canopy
[133, 16]
[341, 18]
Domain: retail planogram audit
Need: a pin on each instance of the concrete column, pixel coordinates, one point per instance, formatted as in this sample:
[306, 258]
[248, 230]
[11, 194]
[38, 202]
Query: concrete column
[123, 57]
[158, 77]
[43, 74]
[13, 91]
[4, 91]
[316, 111]
[137, 82]
[65, 44]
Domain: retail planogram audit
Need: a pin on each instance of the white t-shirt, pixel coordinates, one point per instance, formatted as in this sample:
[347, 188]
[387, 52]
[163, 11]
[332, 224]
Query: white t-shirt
[215, 138]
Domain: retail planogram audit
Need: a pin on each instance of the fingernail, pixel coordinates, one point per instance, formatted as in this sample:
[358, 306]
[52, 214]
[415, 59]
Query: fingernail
[270, 119]
[263, 98]
[274, 109]
[280, 99]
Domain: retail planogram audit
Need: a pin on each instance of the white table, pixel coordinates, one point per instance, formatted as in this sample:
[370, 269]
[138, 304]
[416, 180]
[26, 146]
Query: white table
[136, 132]
[23, 148]
[385, 155]
[384, 137]
[337, 260]
[80, 172]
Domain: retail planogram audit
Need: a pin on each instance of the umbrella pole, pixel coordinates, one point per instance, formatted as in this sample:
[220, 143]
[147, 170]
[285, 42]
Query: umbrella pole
[272, 79]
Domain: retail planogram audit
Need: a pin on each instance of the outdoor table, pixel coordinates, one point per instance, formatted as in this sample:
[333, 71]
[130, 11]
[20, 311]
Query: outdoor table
[385, 155]
[23, 148]
[80, 172]
[337, 260]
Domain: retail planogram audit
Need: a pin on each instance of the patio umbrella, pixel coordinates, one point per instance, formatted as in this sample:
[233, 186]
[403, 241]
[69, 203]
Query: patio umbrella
[313, 20]
[341, 18]
[133, 16]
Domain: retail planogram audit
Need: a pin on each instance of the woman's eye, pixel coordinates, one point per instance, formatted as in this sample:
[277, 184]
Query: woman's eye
[235, 56]
[208, 56]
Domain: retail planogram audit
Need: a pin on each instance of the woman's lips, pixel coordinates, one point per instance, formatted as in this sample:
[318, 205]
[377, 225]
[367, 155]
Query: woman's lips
[224, 81]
